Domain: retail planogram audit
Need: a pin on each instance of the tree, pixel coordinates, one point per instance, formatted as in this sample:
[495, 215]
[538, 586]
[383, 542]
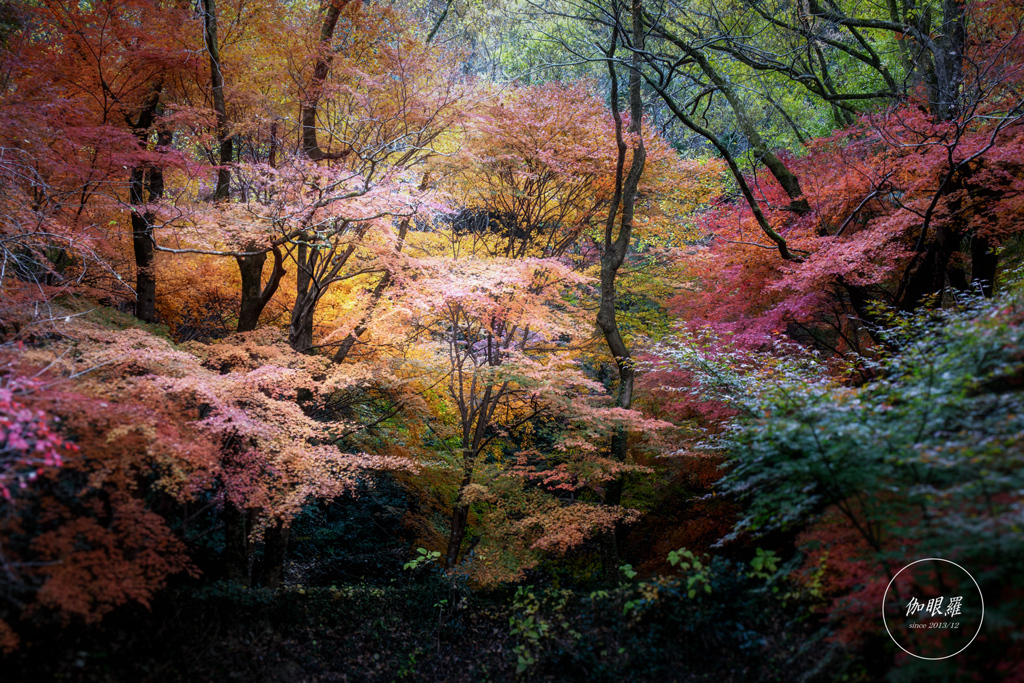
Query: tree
[161, 436]
[314, 90]
[254, 294]
[497, 345]
[621, 210]
[330, 215]
[103, 111]
[922, 461]
[535, 171]
[209, 11]
[900, 196]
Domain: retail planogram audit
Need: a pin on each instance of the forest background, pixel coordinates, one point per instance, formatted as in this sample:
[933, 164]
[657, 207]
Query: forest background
[472, 339]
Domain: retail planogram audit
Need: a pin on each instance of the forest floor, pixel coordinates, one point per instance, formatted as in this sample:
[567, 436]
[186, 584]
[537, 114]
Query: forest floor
[427, 627]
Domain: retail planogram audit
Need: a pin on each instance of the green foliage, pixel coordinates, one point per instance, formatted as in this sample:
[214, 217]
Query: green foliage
[764, 564]
[361, 536]
[924, 460]
[529, 623]
[912, 450]
[424, 557]
[693, 569]
[674, 629]
[939, 426]
[221, 631]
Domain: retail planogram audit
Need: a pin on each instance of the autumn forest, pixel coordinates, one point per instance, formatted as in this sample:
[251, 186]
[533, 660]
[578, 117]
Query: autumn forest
[497, 340]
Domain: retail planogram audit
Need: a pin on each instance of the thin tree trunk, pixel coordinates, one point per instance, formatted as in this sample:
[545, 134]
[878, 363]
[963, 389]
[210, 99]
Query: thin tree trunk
[460, 521]
[142, 233]
[142, 244]
[615, 248]
[251, 270]
[272, 156]
[142, 223]
[254, 296]
[460, 513]
[473, 434]
[929, 277]
[275, 552]
[948, 61]
[440, 20]
[301, 333]
[315, 88]
[236, 557]
[300, 329]
[353, 337]
[217, 90]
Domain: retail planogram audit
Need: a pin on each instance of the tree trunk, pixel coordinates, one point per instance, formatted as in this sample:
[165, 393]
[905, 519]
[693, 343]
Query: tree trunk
[142, 223]
[300, 331]
[615, 248]
[142, 244]
[929, 277]
[353, 337]
[275, 552]
[236, 557]
[217, 90]
[251, 270]
[460, 513]
[256, 296]
[473, 439]
[460, 520]
[948, 61]
[315, 88]
[272, 155]
[142, 233]
[350, 341]
[317, 267]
